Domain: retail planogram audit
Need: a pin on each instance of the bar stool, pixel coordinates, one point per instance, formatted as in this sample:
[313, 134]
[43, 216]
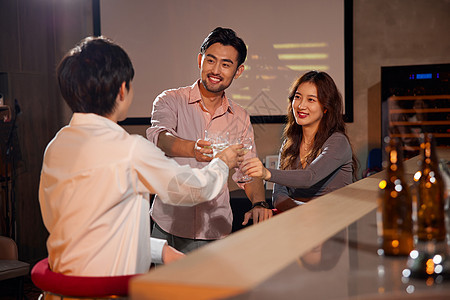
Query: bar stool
[10, 265]
[65, 286]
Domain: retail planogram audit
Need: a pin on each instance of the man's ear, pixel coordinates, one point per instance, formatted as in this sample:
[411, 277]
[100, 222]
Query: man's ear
[199, 59]
[239, 71]
[122, 90]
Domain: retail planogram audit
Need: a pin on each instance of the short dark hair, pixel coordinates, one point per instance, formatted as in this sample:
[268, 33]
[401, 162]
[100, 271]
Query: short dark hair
[226, 37]
[90, 75]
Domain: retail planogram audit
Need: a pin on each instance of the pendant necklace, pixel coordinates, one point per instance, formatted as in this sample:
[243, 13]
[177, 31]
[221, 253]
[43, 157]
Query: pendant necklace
[306, 148]
[306, 145]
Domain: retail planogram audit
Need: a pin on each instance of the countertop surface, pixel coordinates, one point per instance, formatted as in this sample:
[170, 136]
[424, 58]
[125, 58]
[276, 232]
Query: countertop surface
[325, 249]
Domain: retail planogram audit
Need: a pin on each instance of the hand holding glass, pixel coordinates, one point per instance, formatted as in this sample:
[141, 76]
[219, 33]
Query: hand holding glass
[219, 141]
[247, 144]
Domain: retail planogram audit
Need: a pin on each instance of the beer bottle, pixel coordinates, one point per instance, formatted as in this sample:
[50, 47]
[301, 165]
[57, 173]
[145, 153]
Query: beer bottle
[430, 197]
[395, 205]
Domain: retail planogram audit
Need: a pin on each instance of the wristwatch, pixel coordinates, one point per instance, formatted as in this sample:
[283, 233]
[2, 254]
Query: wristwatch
[261, 203]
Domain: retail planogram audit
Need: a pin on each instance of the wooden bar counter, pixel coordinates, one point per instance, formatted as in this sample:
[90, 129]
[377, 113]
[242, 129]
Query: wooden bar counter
[326, 249]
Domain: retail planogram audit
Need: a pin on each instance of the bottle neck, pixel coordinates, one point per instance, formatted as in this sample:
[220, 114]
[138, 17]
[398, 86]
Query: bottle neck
[429, 156]
[395, 164]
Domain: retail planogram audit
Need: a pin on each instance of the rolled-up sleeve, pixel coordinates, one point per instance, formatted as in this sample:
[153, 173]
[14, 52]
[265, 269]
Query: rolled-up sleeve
[156, 248]
[164, 118]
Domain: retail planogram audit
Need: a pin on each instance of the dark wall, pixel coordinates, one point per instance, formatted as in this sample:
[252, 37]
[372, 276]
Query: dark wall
[391, 33]
[35, 34]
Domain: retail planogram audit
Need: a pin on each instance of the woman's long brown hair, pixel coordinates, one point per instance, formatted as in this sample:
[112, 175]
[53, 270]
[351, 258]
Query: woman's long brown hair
[332, 121]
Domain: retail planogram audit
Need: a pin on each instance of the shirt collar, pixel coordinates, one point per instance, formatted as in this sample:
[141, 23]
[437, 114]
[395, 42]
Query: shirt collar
[195, 96]
[93, 119]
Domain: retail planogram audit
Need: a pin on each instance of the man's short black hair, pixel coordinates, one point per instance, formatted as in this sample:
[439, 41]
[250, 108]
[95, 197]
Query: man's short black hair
[226, 37]
[90, 75]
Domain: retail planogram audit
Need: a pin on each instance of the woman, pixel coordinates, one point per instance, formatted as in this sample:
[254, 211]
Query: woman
[316, 156]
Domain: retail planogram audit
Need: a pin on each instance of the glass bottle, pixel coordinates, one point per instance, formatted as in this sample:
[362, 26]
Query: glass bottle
[395, 205]
[430, 197]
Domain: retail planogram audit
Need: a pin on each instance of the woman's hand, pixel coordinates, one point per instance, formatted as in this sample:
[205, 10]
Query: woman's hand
[253, 167]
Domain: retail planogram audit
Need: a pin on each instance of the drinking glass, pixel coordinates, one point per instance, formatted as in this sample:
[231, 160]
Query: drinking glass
[209, 136]
[219, 141]
[247, 144]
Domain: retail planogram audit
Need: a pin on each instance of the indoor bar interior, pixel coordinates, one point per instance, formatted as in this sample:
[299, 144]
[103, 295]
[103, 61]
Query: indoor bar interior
[238, 149]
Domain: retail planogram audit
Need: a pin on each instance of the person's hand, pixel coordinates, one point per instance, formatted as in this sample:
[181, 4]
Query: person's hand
[258, 214]
[170, 254]
[201, 148]
[253, 167]
[232, 155]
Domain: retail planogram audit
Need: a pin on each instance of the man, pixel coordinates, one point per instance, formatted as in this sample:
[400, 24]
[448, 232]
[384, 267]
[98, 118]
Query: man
[96, 178]
[179, 119]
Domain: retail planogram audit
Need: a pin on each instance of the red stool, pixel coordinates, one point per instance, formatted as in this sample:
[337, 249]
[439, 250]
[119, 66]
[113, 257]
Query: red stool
[65, 286]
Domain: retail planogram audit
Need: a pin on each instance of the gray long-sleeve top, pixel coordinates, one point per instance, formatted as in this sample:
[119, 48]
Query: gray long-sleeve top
[331, 170]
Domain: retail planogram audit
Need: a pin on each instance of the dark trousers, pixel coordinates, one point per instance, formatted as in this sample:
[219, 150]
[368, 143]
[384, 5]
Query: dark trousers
[184, 245]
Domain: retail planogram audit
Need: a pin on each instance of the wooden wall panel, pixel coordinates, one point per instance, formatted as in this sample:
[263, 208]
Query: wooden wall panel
[37, 35]
[9, 43]
[36, 126]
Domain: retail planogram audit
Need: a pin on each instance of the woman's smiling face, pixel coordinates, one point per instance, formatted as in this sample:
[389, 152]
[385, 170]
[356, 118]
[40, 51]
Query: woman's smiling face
[306, 107]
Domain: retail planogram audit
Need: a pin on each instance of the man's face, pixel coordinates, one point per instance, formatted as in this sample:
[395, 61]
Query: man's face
[218, 67]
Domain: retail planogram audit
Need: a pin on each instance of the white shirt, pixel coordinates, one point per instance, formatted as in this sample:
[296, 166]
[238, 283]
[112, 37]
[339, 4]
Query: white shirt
[94, 196]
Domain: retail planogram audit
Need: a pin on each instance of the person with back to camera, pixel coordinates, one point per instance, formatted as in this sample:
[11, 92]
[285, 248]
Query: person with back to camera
[96, 178]
[316, 156]
[179, 119]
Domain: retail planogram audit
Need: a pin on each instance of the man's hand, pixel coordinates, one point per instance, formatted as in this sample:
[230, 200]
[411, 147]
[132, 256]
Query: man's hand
[201, 148]
[258, 214]
[170, 254]
[232, 155]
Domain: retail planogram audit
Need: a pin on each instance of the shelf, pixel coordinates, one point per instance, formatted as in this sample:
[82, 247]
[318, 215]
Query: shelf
[410, 116]
[415, 135]
[421, 97]
[419, 110]
[412, 106]
[417, 148]
[418, 123]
